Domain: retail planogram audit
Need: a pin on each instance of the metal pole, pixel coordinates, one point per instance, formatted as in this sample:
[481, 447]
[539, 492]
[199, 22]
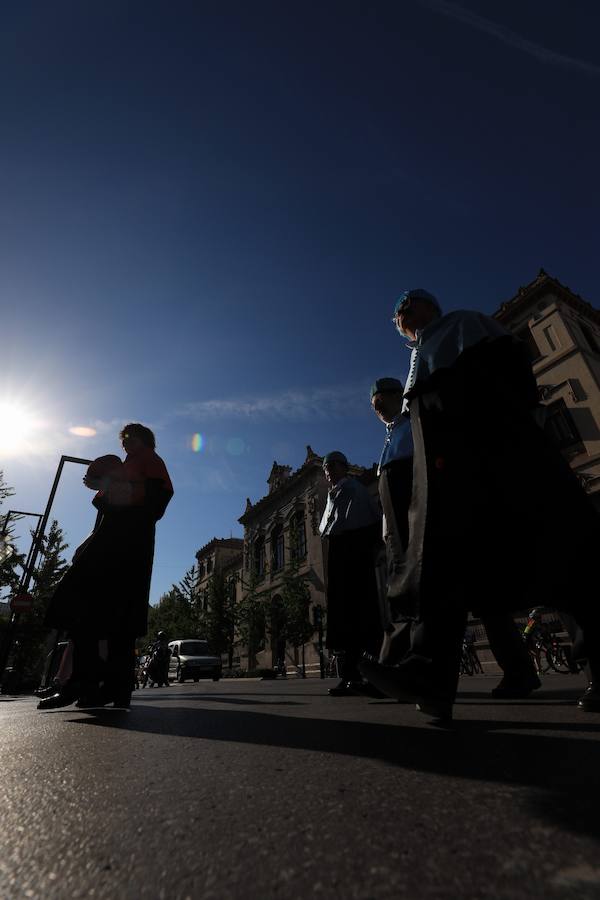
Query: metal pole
[32, 558]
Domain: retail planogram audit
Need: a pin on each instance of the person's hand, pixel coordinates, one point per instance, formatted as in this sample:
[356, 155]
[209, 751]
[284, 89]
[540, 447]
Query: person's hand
[94, 484]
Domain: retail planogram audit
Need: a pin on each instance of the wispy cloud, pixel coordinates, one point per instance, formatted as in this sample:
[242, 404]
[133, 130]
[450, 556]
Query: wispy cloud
[541, 53]
[290, 405]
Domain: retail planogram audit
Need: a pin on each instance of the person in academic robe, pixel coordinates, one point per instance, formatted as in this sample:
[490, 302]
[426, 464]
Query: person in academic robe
[395, 492]
[103, 596]
[351, 530]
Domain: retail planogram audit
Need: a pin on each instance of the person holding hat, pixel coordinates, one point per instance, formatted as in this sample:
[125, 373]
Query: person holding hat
[103, 597]
[351, 529]
[491, 493]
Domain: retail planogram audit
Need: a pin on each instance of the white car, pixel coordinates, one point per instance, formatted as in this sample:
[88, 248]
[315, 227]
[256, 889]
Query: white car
[192, 659]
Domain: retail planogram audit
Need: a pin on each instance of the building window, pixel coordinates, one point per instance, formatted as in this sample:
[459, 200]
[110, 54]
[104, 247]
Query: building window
[298, 535]
[201, 570]
[524, 334]
[259, 557]
[552, 337]
[590, 338]
[277, 548]
[209, 566]
[560, 426]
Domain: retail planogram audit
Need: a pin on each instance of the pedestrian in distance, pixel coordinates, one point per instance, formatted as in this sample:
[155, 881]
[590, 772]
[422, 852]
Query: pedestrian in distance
[497, 517]
[104, 594]
[351, 529]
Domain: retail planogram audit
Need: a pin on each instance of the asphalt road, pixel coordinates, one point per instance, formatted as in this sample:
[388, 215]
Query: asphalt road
[272, 789]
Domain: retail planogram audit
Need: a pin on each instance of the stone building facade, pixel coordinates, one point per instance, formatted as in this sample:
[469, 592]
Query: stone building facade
[562, 332]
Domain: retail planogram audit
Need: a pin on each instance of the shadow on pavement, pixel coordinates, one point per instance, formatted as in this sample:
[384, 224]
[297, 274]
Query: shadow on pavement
[559, 772]
[227, 698]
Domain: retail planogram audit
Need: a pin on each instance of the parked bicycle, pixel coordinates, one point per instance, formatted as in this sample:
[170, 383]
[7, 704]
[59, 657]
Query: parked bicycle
[544, 646]
[470, 664]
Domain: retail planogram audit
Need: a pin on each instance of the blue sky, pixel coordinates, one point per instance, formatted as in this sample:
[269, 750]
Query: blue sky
[208, 210]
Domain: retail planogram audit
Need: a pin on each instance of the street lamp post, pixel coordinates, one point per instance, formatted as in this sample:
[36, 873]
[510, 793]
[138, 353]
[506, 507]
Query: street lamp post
[32, 557]
[6, 549]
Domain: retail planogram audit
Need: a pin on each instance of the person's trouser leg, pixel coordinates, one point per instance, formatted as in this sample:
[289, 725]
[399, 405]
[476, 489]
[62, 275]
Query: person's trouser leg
[509, 648]
[348, 665]
[120, 665]
[87, 668]
[437, 638]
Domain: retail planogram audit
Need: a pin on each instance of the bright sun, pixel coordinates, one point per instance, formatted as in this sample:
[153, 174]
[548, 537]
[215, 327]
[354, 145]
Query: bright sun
[16, 428]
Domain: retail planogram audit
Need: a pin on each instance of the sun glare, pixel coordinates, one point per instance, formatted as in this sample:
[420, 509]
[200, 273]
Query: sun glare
[17, 425]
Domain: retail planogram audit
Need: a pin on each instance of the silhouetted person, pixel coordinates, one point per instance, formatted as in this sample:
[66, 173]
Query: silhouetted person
[351, 526]
[104, 594]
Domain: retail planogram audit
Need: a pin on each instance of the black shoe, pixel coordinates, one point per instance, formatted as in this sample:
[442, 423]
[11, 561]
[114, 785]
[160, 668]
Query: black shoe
[42, 693]
[365, 689]
[590, 699]
[122, 701]
[409, 682]
[343, 689]
[516, 688]
[399, 682]
[91, 700]
[64, 697]
[441, 710]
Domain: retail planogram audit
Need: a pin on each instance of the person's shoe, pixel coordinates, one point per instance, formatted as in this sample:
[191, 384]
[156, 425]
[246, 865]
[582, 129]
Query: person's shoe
[440, 710]
[122, 701]
[516, 688]
[366, 689]
[408, 681]
[42, 693]
[64, 697]
[590, 699]
[91, 700]
[343, 689]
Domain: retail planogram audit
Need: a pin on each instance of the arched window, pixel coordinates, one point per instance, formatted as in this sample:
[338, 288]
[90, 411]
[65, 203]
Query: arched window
[277, 549]
[297, 535]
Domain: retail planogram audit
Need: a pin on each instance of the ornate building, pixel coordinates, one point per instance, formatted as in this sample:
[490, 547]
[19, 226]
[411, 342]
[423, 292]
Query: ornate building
[562, 332]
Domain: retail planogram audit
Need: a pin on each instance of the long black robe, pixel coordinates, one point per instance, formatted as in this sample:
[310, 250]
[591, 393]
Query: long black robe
[497, 520]
[353, 618]
[106, 589]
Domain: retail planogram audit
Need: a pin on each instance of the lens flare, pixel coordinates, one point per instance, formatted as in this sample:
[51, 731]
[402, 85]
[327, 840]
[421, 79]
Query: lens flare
[82, 431]
[197, 442]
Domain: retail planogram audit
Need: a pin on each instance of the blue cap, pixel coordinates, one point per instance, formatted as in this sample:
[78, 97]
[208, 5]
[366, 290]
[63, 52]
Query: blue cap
[416, 294]
[386, 385]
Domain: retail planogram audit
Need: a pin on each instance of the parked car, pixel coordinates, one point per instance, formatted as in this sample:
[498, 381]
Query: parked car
[193, 659]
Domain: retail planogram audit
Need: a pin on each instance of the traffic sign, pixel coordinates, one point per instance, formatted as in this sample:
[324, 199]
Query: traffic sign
[21, 602]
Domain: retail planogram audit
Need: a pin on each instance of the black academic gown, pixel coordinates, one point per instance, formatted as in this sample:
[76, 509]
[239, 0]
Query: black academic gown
[106, 589]
[498, 520]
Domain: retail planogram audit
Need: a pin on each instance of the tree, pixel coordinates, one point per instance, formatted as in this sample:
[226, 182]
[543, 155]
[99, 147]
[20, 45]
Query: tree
[220, 617]
[9, 577]
[173, 615]
[251, 622]
[295, 607]
[32, 633]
